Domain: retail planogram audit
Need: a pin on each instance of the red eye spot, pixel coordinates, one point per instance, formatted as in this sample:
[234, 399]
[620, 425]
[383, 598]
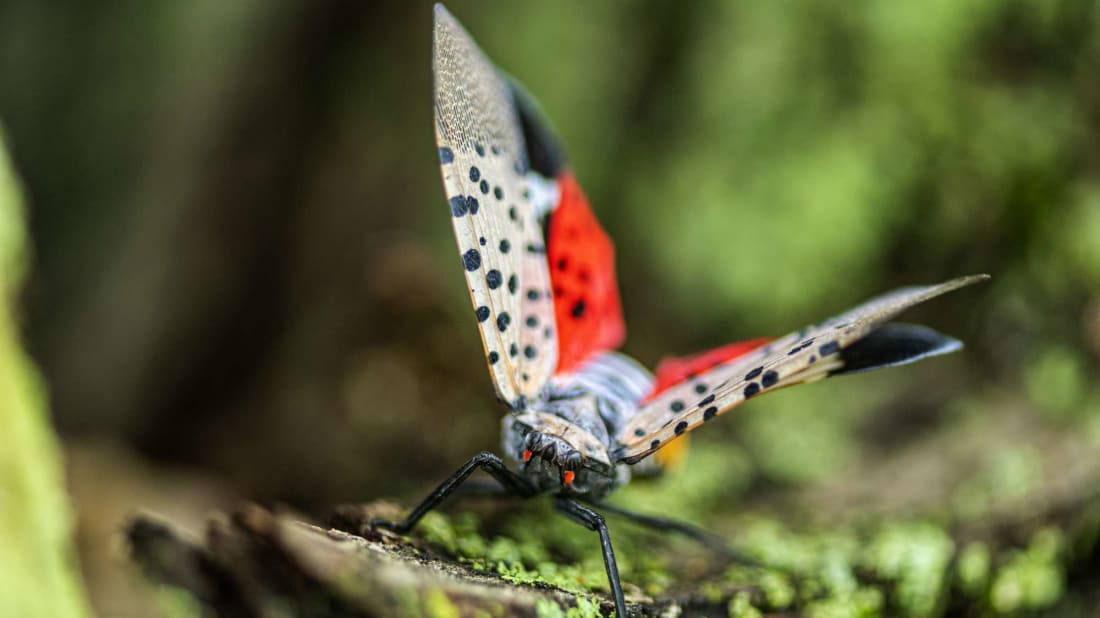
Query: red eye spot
[526, 455]
[568, 477]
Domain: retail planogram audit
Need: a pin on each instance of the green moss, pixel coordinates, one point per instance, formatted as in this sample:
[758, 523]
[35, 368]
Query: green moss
[860, 603]
[1033, 578]
[972, 569]
[740, 606]
[914, 556]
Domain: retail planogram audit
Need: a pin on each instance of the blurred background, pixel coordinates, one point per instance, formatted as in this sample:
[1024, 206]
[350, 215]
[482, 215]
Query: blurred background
[244, 284]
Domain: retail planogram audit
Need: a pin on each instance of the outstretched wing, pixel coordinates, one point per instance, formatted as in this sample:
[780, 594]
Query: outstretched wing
[857, 340]
[496, 204]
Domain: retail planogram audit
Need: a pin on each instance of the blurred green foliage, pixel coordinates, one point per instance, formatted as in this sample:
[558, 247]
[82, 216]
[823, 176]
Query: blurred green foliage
[243, 262]
[38, 564]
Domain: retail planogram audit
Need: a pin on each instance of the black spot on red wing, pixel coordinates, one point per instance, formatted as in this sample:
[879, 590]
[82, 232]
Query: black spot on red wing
[752, 374]
[584, 275]
[493, 358]
[710, 412]
[494, 279]
[458, 205]
[475, 174]
[505, 246]
[482, 313]
[503, 320]
[700, 388]
[676, 406]
[769, 379]
[513, 283]
[498, 193]
[680, 427]
[639, 432]
[829, 348]
[471, 260]
[578, 309]
[484, 186]
[562, 264]
[706, 401]
[530, 351]
[750, 390]
[446, 155]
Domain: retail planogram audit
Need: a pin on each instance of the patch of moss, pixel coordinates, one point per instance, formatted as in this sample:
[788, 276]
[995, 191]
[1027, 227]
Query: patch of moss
[915, 556]
[1030, 579]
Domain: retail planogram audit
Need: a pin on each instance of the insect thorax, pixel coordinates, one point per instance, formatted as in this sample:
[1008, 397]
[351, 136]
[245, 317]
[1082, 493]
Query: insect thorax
[562, 441]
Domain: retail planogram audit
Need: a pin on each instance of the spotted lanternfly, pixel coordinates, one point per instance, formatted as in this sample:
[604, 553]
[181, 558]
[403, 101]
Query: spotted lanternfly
[582, 417]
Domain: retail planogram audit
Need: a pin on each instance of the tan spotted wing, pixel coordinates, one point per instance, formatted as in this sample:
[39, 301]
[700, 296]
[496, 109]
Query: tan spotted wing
[812, 353]
[495, 206]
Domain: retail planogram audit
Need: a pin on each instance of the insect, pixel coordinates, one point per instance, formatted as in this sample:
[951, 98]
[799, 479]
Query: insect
[583, 418]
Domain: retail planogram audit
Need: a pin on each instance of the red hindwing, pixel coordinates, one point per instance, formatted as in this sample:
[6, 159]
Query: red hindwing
[582, 275]
[673, 370]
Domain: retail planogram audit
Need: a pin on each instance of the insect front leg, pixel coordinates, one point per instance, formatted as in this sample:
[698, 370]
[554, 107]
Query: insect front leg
[594, 521]
[490, 462]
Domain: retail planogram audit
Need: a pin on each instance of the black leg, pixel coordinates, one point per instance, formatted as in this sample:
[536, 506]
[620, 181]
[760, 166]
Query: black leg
[510, 481]
[594, 521]
[705, 538]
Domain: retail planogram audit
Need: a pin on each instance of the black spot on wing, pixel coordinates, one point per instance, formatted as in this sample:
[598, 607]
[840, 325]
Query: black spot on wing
[471, 260]
[446, 155]
[769, 379]
[494, 279]
[482, 313]
[503, 320]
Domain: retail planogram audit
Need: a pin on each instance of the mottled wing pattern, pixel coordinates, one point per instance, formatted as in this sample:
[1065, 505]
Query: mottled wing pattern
[804, 356]
[496, 222]
[582, 272]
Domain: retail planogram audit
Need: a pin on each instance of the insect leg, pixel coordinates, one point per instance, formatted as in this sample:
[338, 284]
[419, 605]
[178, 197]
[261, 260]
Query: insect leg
[594, 521]
[705, 538]
[491, 463]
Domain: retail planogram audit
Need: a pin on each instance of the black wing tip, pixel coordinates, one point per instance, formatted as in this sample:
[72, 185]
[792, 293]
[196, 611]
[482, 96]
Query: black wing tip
[893, 345]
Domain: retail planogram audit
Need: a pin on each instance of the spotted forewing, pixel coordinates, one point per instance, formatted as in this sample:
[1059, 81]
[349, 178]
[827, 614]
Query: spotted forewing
[495, 213]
